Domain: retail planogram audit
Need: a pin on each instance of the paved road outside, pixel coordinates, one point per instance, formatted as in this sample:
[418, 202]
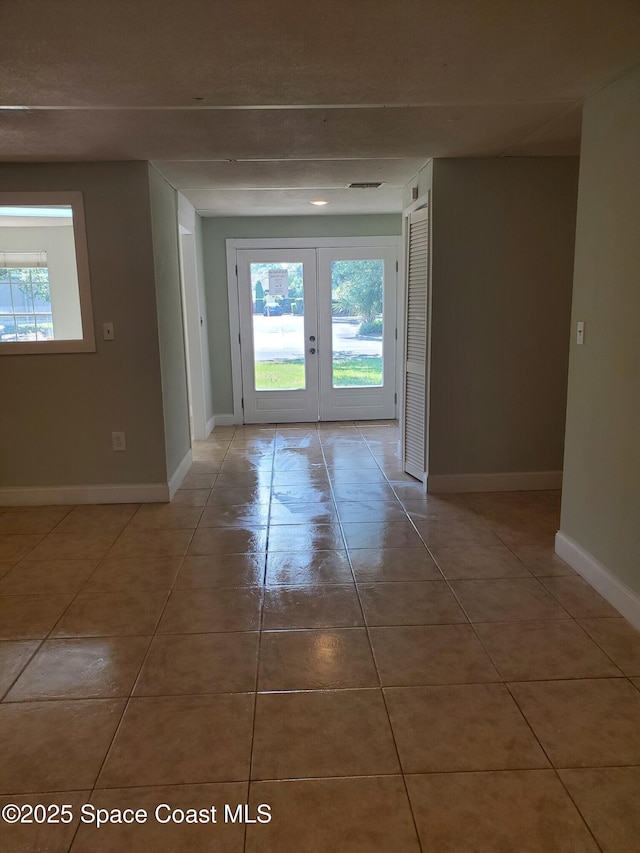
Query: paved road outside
[283, 338]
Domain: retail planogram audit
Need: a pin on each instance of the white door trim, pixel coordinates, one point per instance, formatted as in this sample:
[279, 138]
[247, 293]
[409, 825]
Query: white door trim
[233, 244]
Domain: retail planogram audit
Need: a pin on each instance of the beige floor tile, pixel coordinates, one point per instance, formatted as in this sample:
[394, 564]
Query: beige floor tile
[253, 515]
[363, 492]
[260, 478]
[584, 723]
[181, 739]
[524, 532]
[488, 561]
[165, 517]
[206, 463]
[302, 513]
[577, 597]
[358, 815]
[198, 481]
[542, 561]
[393, 564]
[307, 567]
[13, 658]
[73, 546]
[316, 660]
[525, 810]
[433, 654]
[303, 491]
[360, 476]
[14, 547]
[109, 614]
[55, 746]
[507, 600]
[395, 534]
[305, 537]
[47, 576]
[40, 519]
[201, 611]
[419, 603]
[213, 540]
[119, 574]
[421, 506]
[321, 606]
[445, 533]
[461, 727]
[526, 651]
[26, 617]
[102, 518]
[222, 570]
[6, 566]
[199, 663]
[90, 668]
[608, 801]
[322, 733]
[191, 497]
[151, 543]
[368, 511]
[171, 837]
[45, 837]
[235, 496]
[618, 639]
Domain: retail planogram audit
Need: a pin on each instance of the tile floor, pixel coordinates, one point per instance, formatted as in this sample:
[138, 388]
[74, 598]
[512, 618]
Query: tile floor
[302, 627]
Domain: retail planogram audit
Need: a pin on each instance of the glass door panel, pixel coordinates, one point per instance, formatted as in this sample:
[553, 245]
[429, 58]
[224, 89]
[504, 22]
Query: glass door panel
[357, 323]
[357, 310]
[278, 329]
[278, 326]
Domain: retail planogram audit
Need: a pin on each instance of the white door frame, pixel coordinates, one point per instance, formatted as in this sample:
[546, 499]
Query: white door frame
[192, 313]
[233, 244]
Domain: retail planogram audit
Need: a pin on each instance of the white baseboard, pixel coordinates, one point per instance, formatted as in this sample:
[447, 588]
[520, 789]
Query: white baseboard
[210, 425]
[108, 493]
[615, 591]
[180, 473]
[225, 420]
[518, 481]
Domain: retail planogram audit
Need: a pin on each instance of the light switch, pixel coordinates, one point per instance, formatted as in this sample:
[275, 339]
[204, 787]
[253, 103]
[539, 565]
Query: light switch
[580, 333]
[108, 332]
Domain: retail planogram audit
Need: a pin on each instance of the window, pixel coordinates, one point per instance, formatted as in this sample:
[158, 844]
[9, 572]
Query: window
[25, 298]
[45, 300]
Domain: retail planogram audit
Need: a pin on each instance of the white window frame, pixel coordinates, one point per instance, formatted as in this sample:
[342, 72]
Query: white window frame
[87, 343]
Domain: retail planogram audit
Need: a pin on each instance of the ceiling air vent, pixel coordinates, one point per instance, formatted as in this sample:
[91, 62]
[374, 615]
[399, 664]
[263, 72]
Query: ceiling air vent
[366, 185]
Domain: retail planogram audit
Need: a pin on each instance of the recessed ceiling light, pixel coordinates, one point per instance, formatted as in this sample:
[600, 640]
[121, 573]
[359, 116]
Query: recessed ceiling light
[319, 202]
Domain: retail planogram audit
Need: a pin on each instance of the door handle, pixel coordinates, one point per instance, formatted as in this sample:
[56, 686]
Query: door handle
[312, 350]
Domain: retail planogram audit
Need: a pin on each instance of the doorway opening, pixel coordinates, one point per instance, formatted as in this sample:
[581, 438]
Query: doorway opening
[316, 331]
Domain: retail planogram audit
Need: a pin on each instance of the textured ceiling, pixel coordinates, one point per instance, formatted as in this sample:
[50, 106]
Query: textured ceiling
[318, 94]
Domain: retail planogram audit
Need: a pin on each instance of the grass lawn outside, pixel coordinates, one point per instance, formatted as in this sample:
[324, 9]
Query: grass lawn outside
[359, 371]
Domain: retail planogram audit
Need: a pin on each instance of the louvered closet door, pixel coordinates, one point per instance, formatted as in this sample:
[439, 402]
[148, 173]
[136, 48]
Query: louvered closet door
[414, 444]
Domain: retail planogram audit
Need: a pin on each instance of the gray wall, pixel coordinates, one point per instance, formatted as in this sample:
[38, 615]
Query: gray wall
[58, 411]
[601, 494]
[214, 233]
[164, 225]
[503, 241]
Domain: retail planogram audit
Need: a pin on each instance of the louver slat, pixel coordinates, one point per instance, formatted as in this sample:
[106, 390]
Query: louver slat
[414, 420]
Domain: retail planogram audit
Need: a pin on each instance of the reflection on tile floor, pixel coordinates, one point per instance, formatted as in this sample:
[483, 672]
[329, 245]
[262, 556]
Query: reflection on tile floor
[303, 627]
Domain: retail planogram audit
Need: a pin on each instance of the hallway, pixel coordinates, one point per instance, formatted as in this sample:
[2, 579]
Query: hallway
[303, 627]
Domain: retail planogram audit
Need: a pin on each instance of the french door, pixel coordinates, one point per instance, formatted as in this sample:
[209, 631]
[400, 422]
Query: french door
[317, 333]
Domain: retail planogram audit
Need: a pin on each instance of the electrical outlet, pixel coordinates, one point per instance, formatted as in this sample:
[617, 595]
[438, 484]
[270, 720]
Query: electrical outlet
[118, 441]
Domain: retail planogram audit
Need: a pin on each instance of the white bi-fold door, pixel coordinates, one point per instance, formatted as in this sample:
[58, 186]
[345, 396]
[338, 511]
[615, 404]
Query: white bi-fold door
[317, 333]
